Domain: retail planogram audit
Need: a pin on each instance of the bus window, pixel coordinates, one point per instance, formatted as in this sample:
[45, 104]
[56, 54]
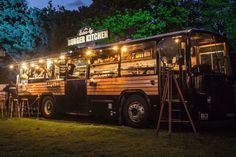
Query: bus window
[173, 52]
[76, 68]
[104, 63]
[138, 59]
[210, 51]
[40, 70]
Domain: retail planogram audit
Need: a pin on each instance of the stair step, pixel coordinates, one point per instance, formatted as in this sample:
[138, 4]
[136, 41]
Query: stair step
[175, 110]
[175, 101]
[176, 121]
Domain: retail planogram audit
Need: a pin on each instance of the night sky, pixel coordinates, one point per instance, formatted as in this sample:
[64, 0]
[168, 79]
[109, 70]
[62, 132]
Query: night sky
[68, 4]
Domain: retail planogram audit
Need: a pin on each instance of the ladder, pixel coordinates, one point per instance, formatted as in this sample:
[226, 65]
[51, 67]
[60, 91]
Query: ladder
[167, 99]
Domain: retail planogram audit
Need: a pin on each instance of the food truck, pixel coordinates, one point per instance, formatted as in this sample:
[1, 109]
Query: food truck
[124, 80]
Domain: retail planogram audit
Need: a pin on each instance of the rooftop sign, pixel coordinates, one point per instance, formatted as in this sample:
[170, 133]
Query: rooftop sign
[86, 35]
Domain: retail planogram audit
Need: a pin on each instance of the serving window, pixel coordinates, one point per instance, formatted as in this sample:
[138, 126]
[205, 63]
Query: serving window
[104, 63]
[42, 70]
[76, 68]
[138, 59]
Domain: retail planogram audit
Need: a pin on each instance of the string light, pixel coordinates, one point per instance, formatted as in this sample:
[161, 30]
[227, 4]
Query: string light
[123, 49]
[23, 66]
[32, 65]
[177, 40]
[40, 61]
[88, 53]
[115, 48]
[11, 66]
[62, 57]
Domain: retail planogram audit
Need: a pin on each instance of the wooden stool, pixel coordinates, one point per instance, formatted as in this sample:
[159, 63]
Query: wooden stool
[24, 104]
[2, 106]
[14, 105]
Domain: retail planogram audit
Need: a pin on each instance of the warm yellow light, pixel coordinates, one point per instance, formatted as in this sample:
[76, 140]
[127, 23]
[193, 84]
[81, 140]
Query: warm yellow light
[32, 65]
[23, 66]
[40, 61]
[177, 40]
[49, 61]
[11, 66]
[36, 67]
[55, 60]
[115, 48]
[88, 53]
[62, 57]
[123, 49]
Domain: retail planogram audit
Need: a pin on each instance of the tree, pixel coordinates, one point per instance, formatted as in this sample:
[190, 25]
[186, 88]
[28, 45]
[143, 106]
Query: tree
[59, 24]
[158, 18]
[215, 15]
[219, 16]
[20, 27]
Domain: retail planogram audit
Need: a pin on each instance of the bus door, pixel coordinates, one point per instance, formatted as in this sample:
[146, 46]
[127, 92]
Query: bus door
[210, 69]
[76, 93]
[172, 56]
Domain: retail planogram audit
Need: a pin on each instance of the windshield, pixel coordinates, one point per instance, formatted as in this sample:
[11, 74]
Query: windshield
[210, 50]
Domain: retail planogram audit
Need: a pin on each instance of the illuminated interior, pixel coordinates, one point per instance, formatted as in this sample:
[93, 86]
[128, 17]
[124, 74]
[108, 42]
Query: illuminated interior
[134, 59]
[209, 50]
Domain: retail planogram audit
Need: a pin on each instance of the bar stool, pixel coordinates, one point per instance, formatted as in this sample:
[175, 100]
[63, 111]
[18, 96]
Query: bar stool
[24, 104]
[14, 106]
[2, 105]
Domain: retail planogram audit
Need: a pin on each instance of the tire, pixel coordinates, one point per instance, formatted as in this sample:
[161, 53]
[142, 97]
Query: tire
[48, 107]
[136, 111]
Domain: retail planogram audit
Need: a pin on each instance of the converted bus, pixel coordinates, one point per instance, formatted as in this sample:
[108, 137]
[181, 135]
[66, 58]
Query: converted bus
[124, 80]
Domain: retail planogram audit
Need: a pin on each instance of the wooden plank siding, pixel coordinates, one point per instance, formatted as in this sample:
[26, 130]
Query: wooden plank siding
[42, 87]
[114, 86]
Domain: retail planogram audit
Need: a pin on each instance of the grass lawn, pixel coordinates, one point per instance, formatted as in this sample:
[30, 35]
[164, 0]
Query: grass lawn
[46, 138]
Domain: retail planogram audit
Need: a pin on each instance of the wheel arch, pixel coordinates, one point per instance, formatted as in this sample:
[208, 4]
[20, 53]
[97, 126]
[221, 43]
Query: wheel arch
[123, 96]
[43, 95]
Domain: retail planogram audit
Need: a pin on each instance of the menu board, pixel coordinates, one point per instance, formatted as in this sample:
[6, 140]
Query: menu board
[62, 68]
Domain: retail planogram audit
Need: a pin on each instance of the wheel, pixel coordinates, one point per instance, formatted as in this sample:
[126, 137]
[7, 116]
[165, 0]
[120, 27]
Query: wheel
[136, 111]
[48, 107]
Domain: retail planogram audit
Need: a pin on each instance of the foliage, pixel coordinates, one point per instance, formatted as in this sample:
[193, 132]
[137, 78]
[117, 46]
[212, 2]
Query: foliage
[218, 16]
[127, 24]
[214, 15]
[20, 27]
[165, 16]
[59, 24]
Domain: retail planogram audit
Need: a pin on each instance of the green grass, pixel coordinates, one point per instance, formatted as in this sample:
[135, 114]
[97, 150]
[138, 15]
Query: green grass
[46, 138]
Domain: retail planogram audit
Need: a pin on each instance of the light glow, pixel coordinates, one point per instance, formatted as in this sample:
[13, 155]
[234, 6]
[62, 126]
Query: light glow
[32, 65]
[49, 63]
[115, 48]
[123, 49]
[11, 66]
[177, 40]
[23, 66]
[41, 61]
[88, 53]
[62, 57]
